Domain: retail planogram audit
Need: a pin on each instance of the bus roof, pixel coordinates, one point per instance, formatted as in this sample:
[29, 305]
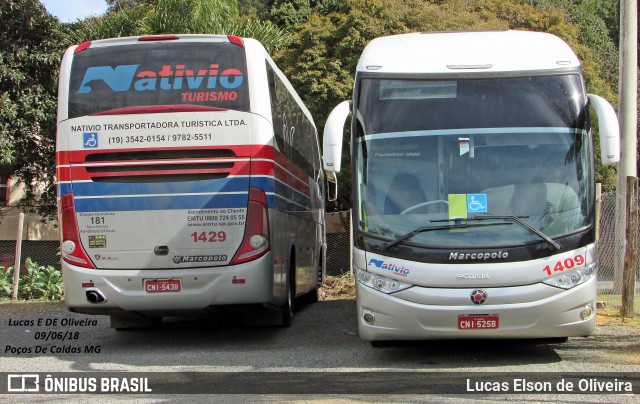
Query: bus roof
[466, 52]
[162, 38]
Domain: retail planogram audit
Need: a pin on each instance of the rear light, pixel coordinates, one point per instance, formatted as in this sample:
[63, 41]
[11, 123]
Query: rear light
[256, 231]
[236, 40]
[151, 38]
[72, 250]
[83, 46]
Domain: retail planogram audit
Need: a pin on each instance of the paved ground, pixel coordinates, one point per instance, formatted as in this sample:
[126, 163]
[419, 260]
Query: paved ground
[320, 353]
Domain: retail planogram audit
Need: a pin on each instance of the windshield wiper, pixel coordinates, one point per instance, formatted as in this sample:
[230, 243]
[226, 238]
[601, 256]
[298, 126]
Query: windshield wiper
[513, 219]
[459, 224]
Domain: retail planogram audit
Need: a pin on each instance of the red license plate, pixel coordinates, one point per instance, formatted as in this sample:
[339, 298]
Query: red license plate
[478, 322]
[162, 285]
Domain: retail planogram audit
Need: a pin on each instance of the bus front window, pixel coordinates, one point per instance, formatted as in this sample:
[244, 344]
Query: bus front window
[431, 152]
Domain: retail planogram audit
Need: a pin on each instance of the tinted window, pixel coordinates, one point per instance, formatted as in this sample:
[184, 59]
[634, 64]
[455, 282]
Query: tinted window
[404, 105]
[294, 133]
[148, 74]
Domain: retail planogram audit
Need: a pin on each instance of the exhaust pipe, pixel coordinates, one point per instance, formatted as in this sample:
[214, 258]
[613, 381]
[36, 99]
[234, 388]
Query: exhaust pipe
[95, 297]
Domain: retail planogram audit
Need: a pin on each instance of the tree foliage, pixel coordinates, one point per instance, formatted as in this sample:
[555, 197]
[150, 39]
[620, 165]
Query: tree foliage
[178, 17]
[30, 49]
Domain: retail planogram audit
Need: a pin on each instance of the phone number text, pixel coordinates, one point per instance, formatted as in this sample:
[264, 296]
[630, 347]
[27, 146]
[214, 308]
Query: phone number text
[139, 139]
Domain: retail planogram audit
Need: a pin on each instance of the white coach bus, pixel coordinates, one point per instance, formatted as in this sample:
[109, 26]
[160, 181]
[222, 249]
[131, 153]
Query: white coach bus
[473, 186]
[189, 176]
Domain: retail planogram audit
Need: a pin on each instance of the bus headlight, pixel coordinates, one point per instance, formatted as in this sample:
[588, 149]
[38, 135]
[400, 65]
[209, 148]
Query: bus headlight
[379, 282]
[568, 280]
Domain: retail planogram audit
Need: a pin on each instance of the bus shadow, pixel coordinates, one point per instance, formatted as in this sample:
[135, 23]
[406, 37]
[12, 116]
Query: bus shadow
[475, 353]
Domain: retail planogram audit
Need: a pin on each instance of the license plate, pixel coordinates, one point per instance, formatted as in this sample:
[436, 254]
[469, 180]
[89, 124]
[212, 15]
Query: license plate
[162, 285]
[478, 322]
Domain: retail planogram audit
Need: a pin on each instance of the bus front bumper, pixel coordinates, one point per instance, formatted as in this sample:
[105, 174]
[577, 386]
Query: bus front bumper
[386, 317]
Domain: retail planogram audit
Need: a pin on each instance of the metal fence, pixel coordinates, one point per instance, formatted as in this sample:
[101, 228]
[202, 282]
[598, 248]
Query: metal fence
[611, 256]
[39, 240]
[338, 243]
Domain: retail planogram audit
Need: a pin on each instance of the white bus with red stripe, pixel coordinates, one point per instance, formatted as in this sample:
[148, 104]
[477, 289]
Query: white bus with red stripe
[189, 176]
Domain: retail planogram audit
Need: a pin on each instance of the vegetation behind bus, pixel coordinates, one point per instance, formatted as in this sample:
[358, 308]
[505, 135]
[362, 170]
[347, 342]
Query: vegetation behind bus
[316, 42]
[40, 282]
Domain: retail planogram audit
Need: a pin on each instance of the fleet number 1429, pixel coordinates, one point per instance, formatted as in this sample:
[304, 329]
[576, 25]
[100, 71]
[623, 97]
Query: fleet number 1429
[209, 237]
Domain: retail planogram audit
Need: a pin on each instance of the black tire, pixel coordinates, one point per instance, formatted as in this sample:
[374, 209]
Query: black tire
[312, 297]
[287, 308]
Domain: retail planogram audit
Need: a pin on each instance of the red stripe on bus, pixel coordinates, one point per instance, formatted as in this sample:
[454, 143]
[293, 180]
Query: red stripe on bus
[275, 164]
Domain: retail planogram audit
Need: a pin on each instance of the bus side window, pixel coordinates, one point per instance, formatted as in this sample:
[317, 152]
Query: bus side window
[4, 191]
[271, 77]
[276, 109]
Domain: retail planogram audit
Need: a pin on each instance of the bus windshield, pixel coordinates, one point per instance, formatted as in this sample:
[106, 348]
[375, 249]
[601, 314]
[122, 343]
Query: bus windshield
[432, 152]
[206, 74]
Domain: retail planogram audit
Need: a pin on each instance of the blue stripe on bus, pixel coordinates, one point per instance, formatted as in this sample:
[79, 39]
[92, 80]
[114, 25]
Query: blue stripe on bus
[169, 202]
[149, 196]
[64, 188]
[285, 191]
[231, 184]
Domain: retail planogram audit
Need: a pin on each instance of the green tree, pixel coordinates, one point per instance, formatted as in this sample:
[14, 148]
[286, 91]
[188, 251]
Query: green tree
[178, 17]
[115, 5]
[288, 13]
[30, 49]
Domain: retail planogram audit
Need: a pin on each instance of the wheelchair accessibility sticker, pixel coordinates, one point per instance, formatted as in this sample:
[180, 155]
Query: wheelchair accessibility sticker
[90, 140]
[477, 203]
[461, 205]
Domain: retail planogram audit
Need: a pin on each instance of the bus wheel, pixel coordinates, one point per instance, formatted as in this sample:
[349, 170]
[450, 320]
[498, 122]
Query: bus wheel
[287, 308]
[312, 297]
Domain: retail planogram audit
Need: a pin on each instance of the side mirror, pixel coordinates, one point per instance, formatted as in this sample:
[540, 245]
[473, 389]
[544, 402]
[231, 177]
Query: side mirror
[332, 137]
[609, 130]
[332, 186]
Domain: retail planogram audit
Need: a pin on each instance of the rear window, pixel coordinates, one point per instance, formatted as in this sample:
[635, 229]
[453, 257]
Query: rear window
[156, 74]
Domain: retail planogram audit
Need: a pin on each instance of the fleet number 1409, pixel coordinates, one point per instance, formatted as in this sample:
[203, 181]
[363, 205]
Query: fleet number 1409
[568, 263]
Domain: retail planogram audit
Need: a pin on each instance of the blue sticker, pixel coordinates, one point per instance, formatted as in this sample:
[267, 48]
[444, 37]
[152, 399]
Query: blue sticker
[477, 203]
[90, 140]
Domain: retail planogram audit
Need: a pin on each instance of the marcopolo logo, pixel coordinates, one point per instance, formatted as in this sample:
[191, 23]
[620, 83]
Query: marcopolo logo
[391, 267]
[478, 256]
[179, 259]
[169, 77]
